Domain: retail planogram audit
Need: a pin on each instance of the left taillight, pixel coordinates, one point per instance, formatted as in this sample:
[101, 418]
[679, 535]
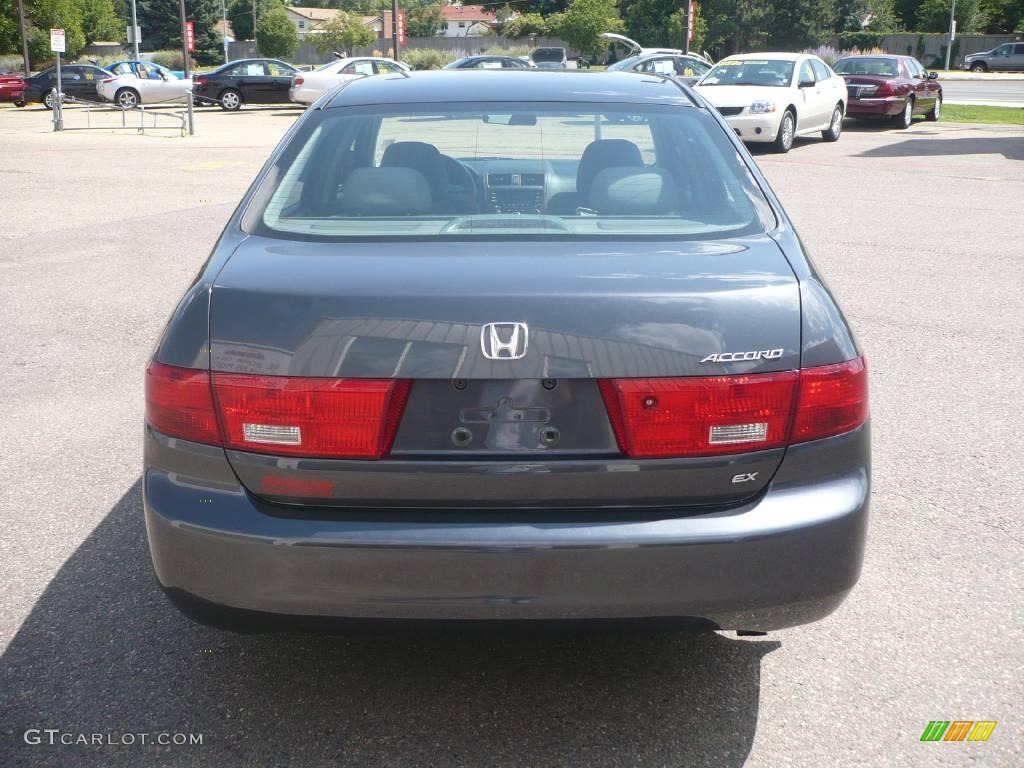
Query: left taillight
[291, 416]
[179, 403]
[714, 415]
[109, 80]
[312, 417]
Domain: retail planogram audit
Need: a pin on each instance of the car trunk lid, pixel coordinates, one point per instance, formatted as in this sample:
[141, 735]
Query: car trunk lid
[526, 432]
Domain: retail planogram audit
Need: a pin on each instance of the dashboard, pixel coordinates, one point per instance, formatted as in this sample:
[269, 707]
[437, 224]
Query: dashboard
[522, 186]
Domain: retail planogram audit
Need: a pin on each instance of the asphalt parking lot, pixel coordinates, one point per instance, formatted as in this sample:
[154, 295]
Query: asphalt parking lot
[919, 233]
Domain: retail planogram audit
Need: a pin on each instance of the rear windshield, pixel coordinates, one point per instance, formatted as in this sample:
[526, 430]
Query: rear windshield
[445, 171]
[882, 67]
[548, 54]
[768, 72]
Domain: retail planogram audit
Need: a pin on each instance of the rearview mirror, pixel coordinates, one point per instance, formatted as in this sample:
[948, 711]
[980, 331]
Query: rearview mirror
[516, 118]
[933, 75]
[806, 84]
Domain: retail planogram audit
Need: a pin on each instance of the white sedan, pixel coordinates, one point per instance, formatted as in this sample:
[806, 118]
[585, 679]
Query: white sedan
[307, 87]
[159, 85]
[774, 97]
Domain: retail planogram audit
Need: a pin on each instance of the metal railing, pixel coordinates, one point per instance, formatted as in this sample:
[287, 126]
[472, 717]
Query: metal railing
[183, 120]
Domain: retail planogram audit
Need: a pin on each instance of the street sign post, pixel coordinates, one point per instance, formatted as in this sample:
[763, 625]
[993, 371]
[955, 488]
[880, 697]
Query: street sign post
[58, 44]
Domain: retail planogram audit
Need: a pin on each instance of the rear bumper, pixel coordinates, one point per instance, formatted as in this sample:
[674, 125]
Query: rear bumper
[787, 558]
[886, 106]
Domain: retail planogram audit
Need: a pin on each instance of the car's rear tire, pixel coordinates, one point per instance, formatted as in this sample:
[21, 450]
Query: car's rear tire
[19, 103]
[979, 66]
[48, 100]
[787, 129]
[936, 110]
[127, 98]
[906, 116]
[230, 100]
[835, 125]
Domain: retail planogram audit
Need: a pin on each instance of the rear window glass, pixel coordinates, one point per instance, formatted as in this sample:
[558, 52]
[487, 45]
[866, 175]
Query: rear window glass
[881, 67]
[443, 171]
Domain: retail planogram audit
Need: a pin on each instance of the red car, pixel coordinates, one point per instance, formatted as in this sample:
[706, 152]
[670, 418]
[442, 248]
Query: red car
[12, 88]
[892, 87]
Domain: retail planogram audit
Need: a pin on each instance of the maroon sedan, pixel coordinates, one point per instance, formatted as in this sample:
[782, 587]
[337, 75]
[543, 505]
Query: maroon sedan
[12, 88]
[893, 87]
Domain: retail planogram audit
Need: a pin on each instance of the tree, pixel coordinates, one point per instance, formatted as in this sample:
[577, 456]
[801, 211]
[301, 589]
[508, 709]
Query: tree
[1004, 15]
[933, 16]
[677, 23]
[276, 34]
[161, 23]
[41, 15]
[425, 21]
[343, 33]
[869, 15]
[526, 24]
[799, 24]
[736, 26]
[99, 20]
[581, 26]
[240, 15]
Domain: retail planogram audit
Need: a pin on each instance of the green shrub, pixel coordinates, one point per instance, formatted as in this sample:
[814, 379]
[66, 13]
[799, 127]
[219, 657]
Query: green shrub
[860, 40]
[427, 58]
[515, 50]
[170, 59]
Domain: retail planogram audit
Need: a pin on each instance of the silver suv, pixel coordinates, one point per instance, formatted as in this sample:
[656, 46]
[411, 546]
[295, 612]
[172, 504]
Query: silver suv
[1008, 57]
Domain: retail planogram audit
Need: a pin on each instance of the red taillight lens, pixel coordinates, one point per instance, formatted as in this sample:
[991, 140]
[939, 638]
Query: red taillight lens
[110, 80]
[200, 82]
[335, 418]
[717, 415]
[884, 89]
[179, 403]
[298, 81]
[833, 399]
[700, 416]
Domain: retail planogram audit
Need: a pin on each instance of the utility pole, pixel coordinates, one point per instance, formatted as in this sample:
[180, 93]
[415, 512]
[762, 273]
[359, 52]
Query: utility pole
[224, 28]
[952, 32]
[135, 34]
[184, 37]
[24, 37]
[394, 28]
[686, 25]
[255, 42]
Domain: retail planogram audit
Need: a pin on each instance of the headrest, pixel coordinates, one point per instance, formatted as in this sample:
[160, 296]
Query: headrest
[632, 192]
[605, 153]
[386, 192]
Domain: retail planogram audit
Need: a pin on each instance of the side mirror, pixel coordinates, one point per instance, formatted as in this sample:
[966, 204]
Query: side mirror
[806, 84]
[933, 75]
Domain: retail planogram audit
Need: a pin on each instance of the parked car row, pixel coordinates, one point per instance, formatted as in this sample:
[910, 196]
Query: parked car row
[772, 98]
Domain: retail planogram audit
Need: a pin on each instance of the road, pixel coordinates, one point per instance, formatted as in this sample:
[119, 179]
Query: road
[1007, 93]
[919, 233]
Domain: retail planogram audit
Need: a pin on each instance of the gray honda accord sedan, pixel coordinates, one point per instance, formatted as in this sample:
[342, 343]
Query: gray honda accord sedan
[500, 345]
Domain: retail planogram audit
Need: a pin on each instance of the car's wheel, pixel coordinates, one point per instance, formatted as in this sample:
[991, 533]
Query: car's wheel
[49, 100]
[906, 116]
[787, 128]
[936, 110]
[835, 126]
[979, 66]
[230, 100]
[127, 98]
[19, 103]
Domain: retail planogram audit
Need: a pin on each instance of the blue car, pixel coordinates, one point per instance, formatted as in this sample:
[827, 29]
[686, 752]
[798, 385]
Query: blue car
[147, 70]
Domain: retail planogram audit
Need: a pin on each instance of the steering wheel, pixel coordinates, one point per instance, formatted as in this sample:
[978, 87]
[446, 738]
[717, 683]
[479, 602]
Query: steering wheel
[468, 184]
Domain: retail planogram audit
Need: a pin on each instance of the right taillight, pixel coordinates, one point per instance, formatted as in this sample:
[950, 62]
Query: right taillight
[715, 415]
[832, 399]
